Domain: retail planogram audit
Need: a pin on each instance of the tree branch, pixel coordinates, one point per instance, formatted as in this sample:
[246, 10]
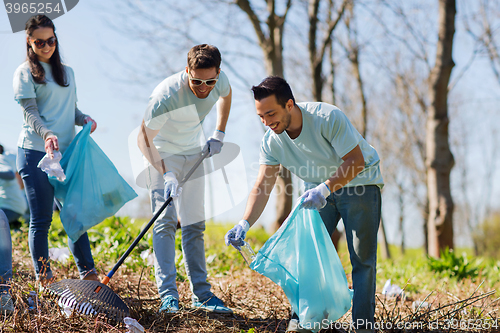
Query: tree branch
[333, 24]
[245, 6]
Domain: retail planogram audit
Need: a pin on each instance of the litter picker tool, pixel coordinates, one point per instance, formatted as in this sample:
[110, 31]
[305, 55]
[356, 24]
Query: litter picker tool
[93, 297]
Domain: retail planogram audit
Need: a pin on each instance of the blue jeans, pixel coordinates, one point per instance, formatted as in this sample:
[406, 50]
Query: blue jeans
[40, 194]
[5, 253]
[360, 209]
[192, 217]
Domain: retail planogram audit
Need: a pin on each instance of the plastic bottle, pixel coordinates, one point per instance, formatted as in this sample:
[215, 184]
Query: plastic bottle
[247, 252]
[32, 300]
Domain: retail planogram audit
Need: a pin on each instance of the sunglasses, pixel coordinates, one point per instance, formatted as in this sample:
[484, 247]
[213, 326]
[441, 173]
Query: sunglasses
[40, 44]
[199, 82]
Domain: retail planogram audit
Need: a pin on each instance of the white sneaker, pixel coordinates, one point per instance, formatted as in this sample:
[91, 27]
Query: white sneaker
[6, 304]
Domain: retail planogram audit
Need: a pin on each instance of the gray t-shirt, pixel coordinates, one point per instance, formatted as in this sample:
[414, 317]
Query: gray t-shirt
[177, 113]
[11, 195]
[315, 155]
[56, 106]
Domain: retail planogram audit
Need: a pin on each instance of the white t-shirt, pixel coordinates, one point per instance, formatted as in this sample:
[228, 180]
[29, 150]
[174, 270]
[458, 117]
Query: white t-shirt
[315, 155]
[56, 106]
[177, 113]
[11, 195]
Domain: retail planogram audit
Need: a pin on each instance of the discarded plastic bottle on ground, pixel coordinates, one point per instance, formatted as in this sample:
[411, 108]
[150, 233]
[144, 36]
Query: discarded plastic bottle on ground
[32, 300]
[247, 252]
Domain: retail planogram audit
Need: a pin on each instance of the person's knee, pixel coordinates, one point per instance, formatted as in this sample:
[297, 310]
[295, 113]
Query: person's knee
[194, 230]
[40, 224]
[165, 226]
[365, 248]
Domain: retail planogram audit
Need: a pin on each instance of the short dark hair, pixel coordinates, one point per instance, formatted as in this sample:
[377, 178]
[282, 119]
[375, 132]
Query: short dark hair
[1, 149]
[204, 56]
[274, 85]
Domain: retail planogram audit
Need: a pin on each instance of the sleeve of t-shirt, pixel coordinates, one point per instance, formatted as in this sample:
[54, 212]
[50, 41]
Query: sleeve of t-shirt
[71, 76]
[32, 117]
[266, 156]
[79, 116]
[24, 86]
[224, 87]
[339, 131]
[156, 114]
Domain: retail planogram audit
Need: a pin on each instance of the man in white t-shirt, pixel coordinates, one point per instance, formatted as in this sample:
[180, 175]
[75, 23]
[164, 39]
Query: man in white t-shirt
[171, 139]
[317, 142]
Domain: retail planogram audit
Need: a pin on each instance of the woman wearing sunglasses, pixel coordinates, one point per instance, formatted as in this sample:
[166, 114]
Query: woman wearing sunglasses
[46, 91]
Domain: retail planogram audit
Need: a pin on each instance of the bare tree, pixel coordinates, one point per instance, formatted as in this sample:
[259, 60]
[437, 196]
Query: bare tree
[318, 49]
[353, 54]
[421, 92]
[271, 43]
[352, 49]
[439, 159]
[481, 26]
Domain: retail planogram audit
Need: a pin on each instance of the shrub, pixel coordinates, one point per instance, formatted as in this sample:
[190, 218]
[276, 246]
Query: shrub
[452, 265]
[487, 237]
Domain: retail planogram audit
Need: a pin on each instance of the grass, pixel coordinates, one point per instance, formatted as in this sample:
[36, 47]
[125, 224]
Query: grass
[259, 305]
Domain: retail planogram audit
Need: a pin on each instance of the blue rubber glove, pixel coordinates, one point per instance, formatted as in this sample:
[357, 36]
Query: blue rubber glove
[171, 185]
[237, 234]
[214, 143]
[315, 198]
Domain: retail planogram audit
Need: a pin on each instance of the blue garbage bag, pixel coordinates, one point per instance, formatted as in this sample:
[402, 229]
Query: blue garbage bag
[301, 259]
[93, 189]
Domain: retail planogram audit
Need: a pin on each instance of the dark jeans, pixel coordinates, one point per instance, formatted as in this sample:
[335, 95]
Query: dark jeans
[360, 209]
[40, 194]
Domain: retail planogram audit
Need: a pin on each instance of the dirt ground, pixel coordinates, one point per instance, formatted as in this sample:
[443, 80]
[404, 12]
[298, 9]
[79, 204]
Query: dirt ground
[257, 302]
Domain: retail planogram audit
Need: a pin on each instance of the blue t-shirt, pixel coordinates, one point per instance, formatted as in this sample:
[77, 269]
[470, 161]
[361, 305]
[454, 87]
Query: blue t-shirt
[177, 113]
[315, 155]
[56, 106]
[11, 195]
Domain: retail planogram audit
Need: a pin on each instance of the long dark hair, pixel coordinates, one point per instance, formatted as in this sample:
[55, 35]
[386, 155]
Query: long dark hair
[37, 71]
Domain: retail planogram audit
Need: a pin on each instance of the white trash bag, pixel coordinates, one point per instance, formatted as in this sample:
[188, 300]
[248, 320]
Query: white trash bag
[133, 325]
[52, 167]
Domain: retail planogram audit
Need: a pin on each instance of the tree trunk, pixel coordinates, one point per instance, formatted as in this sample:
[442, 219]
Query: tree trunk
[357, 74]
[384, 246]
[332, 74]
[439, 157]
[401, 217]
[425, 226]
[317, 48]
[272, 47]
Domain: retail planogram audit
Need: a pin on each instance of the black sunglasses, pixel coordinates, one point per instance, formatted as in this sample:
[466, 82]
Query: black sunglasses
[40, 44]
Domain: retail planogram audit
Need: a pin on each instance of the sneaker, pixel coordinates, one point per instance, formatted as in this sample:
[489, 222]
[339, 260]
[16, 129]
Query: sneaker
[6, 304]
[169, 305]
[213, 304]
